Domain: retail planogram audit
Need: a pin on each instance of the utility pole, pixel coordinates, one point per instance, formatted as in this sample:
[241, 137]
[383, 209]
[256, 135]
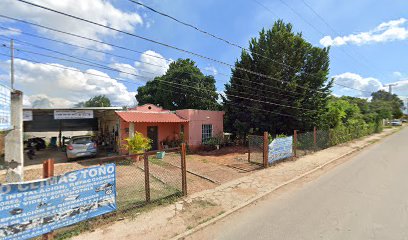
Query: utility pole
[390, 87]
[12, 63]
[14, 149]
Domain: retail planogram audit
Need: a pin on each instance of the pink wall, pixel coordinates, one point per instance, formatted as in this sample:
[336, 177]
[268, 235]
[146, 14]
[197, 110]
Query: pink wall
[149, 108]
[196, 119]
[170, 131]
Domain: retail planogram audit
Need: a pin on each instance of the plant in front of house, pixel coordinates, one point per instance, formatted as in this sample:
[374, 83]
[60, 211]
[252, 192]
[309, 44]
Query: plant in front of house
[137, 144]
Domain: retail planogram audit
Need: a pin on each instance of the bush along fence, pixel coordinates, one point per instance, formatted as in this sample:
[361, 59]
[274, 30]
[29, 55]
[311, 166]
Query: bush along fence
[265, 151]
[89, 188]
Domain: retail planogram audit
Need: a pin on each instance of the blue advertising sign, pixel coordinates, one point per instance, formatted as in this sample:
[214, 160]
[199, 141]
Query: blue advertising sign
[280, 148]
[33, 208]
[5, 108]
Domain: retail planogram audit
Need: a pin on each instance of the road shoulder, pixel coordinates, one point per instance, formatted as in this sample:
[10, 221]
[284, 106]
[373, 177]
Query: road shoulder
[204, 208]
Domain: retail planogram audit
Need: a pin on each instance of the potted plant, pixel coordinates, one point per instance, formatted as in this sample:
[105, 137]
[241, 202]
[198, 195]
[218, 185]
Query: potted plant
[137, 144]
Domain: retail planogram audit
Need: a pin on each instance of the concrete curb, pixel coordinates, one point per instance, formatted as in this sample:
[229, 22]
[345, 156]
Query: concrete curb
[225, 214]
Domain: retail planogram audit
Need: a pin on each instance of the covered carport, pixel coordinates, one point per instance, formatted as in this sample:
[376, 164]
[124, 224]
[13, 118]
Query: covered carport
[59, 124]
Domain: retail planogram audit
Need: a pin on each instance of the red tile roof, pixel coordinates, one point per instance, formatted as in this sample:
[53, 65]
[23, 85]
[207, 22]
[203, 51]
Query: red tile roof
[154, 117]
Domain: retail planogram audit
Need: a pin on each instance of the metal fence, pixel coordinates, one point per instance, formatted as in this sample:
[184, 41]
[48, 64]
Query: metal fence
[140, 179]
[309, 142]
[256, 149]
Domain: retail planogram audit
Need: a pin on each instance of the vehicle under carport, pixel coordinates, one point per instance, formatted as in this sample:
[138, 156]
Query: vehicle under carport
[57, 125]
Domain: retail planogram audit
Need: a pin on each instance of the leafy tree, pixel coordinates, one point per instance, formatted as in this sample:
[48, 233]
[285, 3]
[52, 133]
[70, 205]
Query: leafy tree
[340, 111]
[182, 86]
[392, 100]
[97, 101]
[292, 67]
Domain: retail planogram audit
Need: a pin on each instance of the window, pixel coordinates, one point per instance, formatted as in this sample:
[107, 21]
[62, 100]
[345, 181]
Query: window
[206, 132]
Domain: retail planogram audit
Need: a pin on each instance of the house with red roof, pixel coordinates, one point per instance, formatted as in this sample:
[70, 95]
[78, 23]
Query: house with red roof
[167, 128]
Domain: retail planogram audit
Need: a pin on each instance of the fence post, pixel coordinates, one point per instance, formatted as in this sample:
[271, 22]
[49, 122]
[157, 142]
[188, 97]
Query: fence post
[294, 142]
[315, 138]
[48, 171]
[265, 149]
[249, 153]
[147, 176]
[183, 169]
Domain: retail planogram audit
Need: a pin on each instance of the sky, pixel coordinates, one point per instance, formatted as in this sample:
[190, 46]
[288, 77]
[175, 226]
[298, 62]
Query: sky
[368, 43]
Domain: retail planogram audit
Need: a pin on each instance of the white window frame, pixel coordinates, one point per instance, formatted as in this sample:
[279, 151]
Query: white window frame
[206, 132]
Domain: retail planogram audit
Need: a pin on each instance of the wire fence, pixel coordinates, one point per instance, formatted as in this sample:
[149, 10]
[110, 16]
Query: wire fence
[255, 149]
[133, 188]
[309, 142]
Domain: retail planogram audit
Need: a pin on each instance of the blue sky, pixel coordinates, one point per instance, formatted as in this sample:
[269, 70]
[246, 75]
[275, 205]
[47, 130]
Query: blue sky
[370, 50]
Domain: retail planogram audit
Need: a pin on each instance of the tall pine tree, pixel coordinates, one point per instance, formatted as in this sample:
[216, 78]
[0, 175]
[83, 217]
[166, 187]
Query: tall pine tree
[297, 78]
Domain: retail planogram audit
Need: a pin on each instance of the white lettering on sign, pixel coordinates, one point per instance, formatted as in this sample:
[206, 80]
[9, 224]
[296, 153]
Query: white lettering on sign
[73, 114]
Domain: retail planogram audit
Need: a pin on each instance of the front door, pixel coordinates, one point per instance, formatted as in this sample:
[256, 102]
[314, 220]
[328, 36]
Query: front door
[153, 134]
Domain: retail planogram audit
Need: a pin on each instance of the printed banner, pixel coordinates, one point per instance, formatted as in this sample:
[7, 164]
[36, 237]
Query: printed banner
[280, 148]
[73, 114]
[33, 208]
[5, 108]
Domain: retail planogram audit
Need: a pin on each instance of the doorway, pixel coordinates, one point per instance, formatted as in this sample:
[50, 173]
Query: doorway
[153, 134]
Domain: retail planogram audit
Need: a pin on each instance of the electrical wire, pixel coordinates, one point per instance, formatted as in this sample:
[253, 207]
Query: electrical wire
[150, 40]
[246, 80]
[157, 42]
[136, 75]
[167, 90]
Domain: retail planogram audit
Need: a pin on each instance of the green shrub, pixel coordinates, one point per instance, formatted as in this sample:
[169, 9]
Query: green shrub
[138, 143]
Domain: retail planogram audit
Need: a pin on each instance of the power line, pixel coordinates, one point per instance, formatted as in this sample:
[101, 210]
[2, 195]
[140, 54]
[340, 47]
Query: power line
[116, 70]
[227, 41]
[315, 28]
[327, 23]
[160, 43]
[213, 35]
[93, 63]
[249, 107]
[69, 69]
[157, 42]
[132, 50]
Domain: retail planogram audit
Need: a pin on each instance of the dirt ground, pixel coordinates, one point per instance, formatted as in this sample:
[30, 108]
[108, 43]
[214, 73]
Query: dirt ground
[168, 221]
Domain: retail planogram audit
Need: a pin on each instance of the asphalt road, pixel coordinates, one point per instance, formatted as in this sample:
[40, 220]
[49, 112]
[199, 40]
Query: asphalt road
[363, 198]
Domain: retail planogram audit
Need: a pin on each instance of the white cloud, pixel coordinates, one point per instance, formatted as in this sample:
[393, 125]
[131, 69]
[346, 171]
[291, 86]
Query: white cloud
[99, 11]
[212, 70]
[10, 32]
[385, 32]
[46, 85]
[397, 74]
[151, 65]
[352, 80]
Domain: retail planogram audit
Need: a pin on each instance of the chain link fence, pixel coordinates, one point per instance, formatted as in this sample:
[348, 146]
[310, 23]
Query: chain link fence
[309, 142]
[255, 149]
[133, 188]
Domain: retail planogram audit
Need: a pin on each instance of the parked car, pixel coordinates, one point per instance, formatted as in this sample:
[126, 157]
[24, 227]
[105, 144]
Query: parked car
[396, 122]
[81, 146]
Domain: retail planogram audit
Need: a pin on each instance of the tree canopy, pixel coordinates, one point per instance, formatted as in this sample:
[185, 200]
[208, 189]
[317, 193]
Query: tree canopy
[292, 90]
[387, 102]
[183, 86]
[97, 101]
